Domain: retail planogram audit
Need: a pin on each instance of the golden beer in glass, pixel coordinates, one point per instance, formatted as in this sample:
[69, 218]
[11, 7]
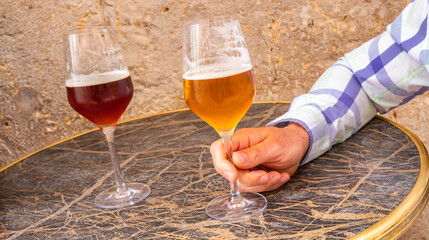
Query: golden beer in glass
[219, 87]
[225, 99]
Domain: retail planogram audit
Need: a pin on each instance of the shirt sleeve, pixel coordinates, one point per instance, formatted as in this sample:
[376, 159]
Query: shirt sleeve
[383, 73]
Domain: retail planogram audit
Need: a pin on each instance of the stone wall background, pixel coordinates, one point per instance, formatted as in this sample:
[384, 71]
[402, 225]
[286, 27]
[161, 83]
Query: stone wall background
[291, 43]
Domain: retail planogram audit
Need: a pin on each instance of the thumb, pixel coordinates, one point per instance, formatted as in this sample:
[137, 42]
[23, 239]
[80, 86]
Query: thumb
[253, 156]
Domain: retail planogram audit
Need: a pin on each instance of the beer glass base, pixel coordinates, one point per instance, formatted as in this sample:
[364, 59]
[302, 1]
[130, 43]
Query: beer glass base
[221, 208]
[110, 199]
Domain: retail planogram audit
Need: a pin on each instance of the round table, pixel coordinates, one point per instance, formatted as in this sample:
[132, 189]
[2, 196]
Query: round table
[372, 186]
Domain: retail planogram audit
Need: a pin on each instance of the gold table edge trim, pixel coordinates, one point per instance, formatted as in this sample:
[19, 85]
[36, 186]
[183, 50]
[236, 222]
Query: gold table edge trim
[391, 226]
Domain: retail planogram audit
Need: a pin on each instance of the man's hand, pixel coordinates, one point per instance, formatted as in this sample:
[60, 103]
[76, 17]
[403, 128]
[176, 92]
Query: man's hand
[264, 158]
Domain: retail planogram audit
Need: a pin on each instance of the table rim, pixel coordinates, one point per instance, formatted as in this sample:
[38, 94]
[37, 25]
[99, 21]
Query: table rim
[392, 226]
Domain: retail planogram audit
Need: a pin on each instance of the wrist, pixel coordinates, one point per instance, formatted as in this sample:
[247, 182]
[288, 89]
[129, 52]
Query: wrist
[301, 133]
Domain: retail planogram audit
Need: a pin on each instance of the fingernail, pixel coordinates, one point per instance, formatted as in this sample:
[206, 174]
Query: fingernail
[228, 175]
[241, 158]
[285, 178]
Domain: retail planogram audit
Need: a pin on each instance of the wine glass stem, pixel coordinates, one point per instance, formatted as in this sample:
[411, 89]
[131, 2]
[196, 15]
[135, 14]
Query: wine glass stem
[110, 137]
[227, 143]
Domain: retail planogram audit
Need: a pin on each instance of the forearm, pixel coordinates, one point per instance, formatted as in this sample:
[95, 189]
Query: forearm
[334, 109]
[383, 73]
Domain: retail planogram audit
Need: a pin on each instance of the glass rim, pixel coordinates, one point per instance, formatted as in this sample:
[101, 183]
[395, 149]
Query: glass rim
[217, 18]
[86, 30]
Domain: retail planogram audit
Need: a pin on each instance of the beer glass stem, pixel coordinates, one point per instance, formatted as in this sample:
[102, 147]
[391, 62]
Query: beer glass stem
[236, 197]
[110, 137]
[236, 205]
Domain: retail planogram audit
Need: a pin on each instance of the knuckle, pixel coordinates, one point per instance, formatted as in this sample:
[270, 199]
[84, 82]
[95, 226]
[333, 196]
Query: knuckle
[255, 153]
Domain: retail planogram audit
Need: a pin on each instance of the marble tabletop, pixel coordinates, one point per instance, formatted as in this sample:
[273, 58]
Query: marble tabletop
[373, 185]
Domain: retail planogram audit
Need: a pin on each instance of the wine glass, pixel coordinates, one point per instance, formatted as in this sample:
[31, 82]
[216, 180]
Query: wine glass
[219, 87]
[99, 88]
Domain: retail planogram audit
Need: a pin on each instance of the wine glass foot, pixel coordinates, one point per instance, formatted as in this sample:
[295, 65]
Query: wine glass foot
[110, 199]
[221, 208]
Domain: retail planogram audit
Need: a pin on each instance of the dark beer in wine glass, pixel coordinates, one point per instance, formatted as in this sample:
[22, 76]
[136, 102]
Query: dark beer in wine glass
[99, 87]
[102, 98]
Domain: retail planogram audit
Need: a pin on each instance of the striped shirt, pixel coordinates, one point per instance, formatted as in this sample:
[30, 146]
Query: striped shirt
[383, 73]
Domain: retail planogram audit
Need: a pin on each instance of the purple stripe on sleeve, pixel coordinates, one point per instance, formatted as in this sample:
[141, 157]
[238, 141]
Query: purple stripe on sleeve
[416, 39]
[385, 80]
[333, 111]
[317, 133]
[395, 28]
[413, 95]
[382, 76]
[345, 101]
[424, 57]
[378, 63]
[373, 52]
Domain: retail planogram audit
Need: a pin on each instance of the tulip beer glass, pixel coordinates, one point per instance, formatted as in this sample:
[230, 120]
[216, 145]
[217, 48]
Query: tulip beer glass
[219, 87]
[99, 88]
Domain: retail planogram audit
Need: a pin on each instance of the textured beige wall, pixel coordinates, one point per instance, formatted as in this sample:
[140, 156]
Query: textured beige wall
[291, 43]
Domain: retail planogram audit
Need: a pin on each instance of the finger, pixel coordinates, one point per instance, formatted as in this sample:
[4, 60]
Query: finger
[221, 163]
[263, 153]
[273, 184]
[272, 147]
[248, 137]
[275, 180]
[250, 178]
[247, 146]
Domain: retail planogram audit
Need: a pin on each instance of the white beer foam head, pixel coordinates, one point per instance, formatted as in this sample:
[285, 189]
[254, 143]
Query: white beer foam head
[203, 75]
[223, 60]
[96, 78]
